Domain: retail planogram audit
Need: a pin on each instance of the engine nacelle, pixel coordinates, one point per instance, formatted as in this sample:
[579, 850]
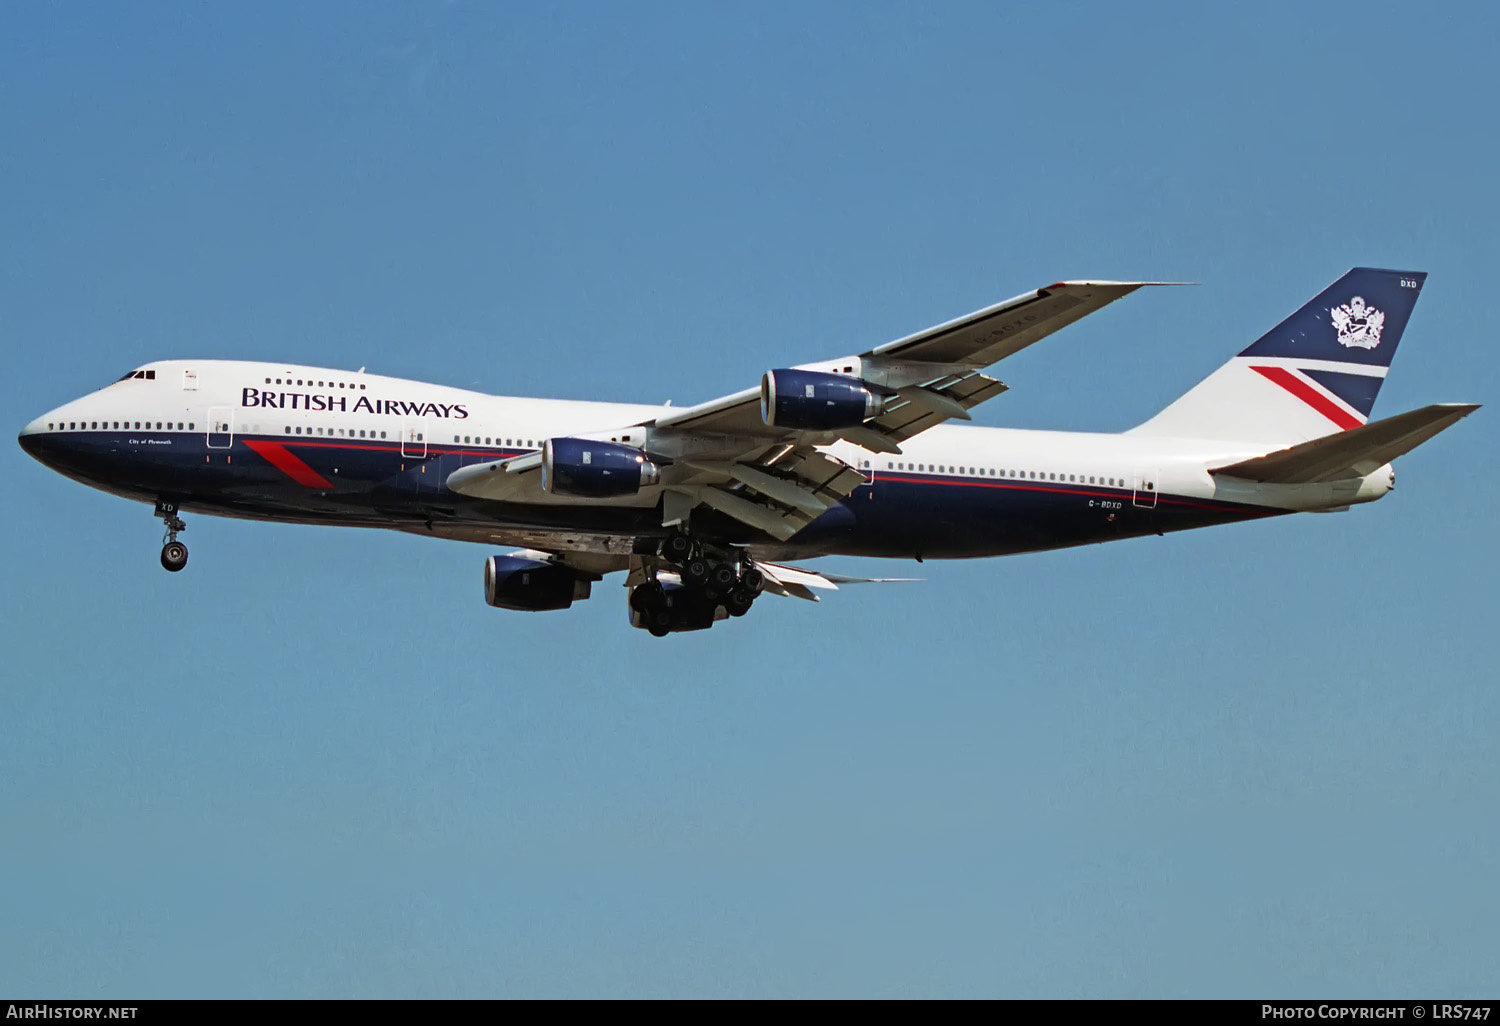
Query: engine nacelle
[579, 466]
[531, 585]
[815, 401]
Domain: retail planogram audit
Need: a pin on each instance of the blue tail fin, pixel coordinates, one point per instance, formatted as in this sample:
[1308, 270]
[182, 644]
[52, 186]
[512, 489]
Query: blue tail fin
[1358, 319]
[1316, 372]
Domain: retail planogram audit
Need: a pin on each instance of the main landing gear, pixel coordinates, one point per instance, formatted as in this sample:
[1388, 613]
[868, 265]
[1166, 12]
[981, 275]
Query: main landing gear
[173, 553]
[715, 584]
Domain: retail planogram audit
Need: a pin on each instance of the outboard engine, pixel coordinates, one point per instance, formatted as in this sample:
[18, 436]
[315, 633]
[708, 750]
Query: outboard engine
[816, 401]
[578, 466]
[531, 585]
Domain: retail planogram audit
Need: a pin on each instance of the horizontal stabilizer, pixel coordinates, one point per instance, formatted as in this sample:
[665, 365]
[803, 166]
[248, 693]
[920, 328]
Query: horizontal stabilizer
[1353, 453]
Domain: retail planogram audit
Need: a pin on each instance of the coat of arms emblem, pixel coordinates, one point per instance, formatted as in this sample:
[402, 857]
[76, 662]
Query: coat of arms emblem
[1359, 324]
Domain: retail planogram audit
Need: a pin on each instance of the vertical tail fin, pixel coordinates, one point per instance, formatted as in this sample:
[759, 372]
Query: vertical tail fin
[1315, 373]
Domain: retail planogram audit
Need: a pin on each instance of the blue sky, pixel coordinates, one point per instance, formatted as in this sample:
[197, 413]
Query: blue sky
[1255, 760]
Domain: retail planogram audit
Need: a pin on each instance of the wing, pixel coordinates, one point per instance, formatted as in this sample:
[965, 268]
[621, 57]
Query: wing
[797, 582]
[943, 362]
[776, 479]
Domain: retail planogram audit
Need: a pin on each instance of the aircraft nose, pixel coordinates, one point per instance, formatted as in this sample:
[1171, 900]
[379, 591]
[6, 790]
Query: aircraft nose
[33, 438]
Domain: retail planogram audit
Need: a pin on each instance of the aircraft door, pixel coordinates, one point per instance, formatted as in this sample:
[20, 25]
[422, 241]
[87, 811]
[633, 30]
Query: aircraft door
[221, 427]
[414, 440]
[1146, 486]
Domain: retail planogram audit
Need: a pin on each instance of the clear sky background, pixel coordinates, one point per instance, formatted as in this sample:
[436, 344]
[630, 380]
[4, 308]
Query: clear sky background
[1254, 760]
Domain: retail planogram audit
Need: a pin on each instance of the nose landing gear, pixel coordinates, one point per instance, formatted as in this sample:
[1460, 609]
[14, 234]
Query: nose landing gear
[174, 554]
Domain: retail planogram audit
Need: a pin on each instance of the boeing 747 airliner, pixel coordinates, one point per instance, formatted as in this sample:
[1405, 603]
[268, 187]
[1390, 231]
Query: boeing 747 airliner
[702, 506]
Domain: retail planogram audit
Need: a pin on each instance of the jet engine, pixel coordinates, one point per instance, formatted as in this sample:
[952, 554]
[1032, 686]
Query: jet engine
[578, 466]
[531, 585]
[815, 401]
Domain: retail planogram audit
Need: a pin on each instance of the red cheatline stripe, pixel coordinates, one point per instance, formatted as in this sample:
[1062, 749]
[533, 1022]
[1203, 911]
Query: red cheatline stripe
[1302, 390]
[277, 455]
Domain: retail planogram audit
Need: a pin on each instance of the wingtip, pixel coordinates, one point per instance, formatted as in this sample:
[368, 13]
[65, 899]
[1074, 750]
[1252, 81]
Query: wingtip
[1115, 284]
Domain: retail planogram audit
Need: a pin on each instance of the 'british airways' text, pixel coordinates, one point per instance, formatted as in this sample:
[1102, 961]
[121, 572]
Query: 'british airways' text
[343, 403]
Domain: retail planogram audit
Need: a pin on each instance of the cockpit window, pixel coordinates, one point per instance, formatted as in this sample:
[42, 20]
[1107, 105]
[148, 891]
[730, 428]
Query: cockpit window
[144, 375]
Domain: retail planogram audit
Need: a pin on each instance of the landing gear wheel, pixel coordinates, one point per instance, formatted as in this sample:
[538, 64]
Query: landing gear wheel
[174, 556]
[722, 578]
[657, 631]
[695, 572]
[738, 601]
[173, 552]
[677, 548]
[647, 597]
[753, 581]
